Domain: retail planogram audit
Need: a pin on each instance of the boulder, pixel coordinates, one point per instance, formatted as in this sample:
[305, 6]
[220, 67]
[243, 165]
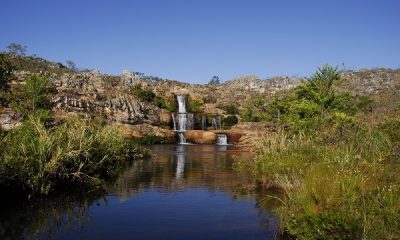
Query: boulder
[200, 136]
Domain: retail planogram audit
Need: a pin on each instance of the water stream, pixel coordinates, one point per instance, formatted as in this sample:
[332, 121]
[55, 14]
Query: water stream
[182, 192]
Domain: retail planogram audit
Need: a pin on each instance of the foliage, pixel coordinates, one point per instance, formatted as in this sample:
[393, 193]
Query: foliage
[365, 104]
[6, 70]
[38, 160]
[148, 95]
[193, 105]
[17, 49]
[152, 139]
[33, 95]
[229, 109]
[337, 186]
[214, 80]
[229, 121]
[308, 107]
[255, 110]
[71, 65]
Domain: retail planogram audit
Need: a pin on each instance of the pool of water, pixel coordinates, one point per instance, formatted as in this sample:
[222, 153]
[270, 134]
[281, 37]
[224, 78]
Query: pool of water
[181, 192]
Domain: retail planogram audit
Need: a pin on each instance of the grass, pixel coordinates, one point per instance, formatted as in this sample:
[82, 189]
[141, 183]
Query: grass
[37, 159]
[337, 186]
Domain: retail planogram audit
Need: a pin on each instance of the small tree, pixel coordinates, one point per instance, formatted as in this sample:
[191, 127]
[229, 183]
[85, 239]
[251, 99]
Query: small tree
[214, 80]
[322, 80]
[71, 65]
[17, 49]
[5, 73]
[34, 94]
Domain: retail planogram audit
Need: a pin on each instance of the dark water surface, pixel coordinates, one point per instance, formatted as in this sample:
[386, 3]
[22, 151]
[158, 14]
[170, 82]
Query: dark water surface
[182, 192]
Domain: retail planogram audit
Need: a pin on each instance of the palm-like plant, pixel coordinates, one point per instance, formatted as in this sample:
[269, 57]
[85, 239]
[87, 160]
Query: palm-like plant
[322, 80]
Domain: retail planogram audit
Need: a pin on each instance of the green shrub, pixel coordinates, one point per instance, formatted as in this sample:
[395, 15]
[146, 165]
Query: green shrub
[35, 94]
[365, 104]
[339, 188]
[229, 109]
[193, 105]
[229, 121]
[152, 139]
[38, 160]
[146, 95]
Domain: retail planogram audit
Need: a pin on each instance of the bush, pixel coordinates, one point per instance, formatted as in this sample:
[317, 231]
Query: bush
[143, 94]
[193, 105]
[229, 109]
[34, 95]
[147, 95]
[38, 160]
[229, 121]
[340, 189]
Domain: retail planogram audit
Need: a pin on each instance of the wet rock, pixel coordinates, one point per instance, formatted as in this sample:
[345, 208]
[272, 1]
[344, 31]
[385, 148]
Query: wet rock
[200, 136]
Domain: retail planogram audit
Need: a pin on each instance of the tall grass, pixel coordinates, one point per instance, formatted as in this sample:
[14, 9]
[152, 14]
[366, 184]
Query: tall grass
[336, 186]
[37, 159]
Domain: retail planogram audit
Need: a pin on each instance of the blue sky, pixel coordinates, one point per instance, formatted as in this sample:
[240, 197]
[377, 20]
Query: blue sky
[191, 41]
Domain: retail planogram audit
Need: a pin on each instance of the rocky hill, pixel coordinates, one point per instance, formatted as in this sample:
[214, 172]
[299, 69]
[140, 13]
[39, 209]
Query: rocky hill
[91, 93]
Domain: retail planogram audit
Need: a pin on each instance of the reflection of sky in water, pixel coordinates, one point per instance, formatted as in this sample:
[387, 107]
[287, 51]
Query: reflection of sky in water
[183, 192]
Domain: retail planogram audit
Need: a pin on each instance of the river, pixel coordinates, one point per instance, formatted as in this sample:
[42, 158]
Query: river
[181, 192]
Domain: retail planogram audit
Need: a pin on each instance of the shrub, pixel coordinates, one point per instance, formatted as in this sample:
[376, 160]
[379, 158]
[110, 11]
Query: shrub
[146, 95]
[38, 160]
[33, 95]
[341, 189]
[229, 109]
[229, 121]
[193, 105]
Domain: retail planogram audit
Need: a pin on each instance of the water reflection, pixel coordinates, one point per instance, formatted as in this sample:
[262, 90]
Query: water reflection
[182, 191]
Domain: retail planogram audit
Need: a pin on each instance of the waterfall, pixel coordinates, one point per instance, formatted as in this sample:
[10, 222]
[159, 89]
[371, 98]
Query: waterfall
[173, 119]
[181, 103]
[203, 122]
[216, 122]
[222, 139]
[183, 120]
[182, 139]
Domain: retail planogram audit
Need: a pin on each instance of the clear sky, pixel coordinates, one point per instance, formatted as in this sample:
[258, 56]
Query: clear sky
[191, 41]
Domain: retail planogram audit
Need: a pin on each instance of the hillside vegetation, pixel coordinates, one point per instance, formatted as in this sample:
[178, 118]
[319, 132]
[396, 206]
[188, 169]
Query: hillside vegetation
[335, 158]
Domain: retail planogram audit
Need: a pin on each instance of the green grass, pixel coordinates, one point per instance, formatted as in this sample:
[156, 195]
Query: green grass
[36, 159]
[336, 186]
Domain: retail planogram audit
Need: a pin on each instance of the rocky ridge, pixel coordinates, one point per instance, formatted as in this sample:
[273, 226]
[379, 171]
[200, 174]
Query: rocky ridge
[91, 93]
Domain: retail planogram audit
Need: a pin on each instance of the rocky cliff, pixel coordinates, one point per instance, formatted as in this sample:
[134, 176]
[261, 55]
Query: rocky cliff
[91, 93]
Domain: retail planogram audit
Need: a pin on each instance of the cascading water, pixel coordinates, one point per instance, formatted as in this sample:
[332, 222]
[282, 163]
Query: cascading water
[183, 120]
[216, 122]
[203, 122]
[222, 139]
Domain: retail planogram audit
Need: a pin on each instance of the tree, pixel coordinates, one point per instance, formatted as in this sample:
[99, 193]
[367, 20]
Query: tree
[17, 49]
[5, 72]
[322, 80]
[71, 65]
[34, 94]
[214, 80]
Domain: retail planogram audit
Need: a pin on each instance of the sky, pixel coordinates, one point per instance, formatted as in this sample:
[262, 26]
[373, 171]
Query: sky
[193, 40]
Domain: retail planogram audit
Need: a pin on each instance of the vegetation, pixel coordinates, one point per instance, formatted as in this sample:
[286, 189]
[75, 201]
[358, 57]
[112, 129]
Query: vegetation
[147, 95]
[214, 80]
[229, 121]
[339, 173]
[34, 94]
[5, 78]
[38, 160]
[255, 110]
[229, 108]
[193, 105]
